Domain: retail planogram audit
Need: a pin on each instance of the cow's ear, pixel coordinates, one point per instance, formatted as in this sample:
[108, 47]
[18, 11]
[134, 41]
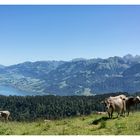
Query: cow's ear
[109, 100]
[111, 103]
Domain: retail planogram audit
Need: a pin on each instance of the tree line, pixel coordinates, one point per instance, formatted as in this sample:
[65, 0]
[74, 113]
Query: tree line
[30, 108]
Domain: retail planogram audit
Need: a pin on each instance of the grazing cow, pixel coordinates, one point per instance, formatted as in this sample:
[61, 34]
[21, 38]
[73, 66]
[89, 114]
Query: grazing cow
[117, 104]
[123, 97]
[5, 115]
[132, 102]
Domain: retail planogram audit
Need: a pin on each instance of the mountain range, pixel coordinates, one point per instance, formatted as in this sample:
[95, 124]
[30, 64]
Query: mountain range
[75, 77]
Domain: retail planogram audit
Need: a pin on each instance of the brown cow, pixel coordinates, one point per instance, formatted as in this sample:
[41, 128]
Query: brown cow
[132, 102]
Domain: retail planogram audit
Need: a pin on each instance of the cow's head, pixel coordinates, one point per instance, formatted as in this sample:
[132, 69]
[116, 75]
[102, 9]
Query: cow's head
[108, 104]
[137, 99]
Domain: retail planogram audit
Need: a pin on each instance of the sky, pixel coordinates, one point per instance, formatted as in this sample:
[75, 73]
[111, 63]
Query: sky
[45, 32]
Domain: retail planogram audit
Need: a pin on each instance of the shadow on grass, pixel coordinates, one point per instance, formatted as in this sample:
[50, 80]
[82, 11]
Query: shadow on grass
[97, 121]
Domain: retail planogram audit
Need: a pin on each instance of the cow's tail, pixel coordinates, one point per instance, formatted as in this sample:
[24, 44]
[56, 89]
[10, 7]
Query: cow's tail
[124, 105]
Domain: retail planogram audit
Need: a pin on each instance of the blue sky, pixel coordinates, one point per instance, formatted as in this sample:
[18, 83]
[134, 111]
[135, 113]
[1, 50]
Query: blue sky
[34, 33]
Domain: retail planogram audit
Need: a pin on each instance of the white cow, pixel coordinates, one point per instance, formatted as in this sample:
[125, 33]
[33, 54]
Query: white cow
[117, 104]
[5, 114]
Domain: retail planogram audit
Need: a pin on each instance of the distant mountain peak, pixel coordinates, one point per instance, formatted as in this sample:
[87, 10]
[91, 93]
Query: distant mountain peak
[137, 56]
[132, 58]
[128, 56]
[1, 66]
[78, 59]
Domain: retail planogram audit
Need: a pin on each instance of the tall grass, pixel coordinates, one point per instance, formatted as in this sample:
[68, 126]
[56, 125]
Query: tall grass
[82, 125]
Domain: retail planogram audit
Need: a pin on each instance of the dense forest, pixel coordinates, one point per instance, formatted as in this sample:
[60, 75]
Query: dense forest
[31, 108]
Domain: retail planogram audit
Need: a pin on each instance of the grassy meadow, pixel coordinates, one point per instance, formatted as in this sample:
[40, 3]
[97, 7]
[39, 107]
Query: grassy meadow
[82, 125]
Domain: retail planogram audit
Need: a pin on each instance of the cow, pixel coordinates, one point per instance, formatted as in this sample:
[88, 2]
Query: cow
[132, 102]
[117, 104]
[5, 114]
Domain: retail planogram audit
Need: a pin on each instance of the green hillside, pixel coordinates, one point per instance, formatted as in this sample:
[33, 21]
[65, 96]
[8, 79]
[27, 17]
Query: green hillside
[82, 125]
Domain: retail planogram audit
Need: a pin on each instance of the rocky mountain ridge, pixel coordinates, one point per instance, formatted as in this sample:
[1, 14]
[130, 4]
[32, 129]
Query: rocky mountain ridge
[76, 77]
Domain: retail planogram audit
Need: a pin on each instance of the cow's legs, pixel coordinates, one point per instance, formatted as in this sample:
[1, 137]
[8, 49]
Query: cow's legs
[122, 113]
[111, 114]
[124, 109]
[119, 113]
[128, 111]
[6, 118]
[135, 106]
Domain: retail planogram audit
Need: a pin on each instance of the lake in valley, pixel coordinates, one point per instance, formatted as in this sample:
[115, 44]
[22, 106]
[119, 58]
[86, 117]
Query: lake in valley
[9, 90]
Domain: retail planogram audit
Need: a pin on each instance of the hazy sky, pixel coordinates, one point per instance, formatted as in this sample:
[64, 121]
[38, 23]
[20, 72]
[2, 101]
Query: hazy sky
[32, 33]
